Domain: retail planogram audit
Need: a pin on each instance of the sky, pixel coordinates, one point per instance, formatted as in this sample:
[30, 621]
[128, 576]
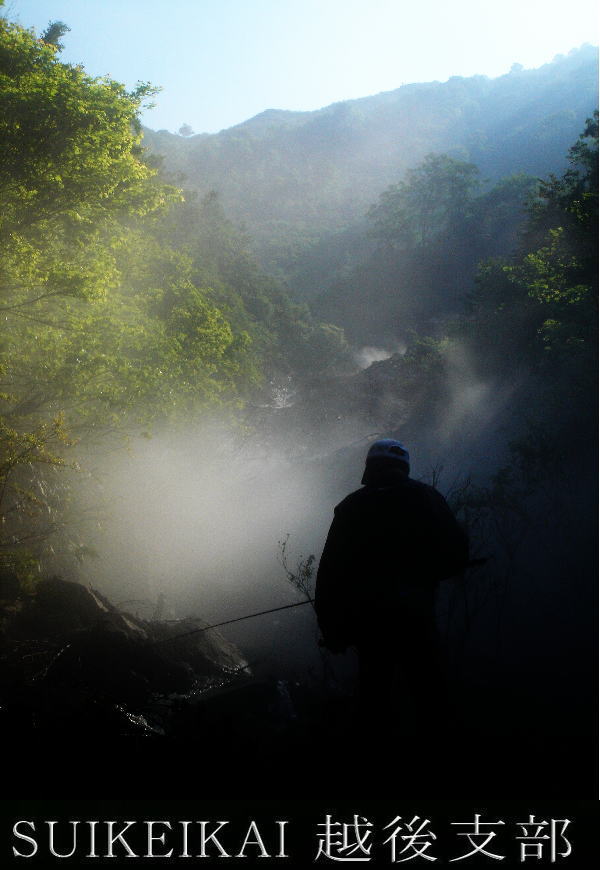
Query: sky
[220, 62]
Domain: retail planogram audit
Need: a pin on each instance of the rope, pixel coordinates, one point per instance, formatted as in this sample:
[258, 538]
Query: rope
[230, 621]
[471, 563]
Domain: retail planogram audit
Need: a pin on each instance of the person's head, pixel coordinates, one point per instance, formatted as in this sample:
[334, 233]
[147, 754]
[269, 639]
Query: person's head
[387, 460]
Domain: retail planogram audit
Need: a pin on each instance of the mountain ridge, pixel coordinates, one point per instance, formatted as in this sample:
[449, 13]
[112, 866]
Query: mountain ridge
[293, 178]
[278, 113]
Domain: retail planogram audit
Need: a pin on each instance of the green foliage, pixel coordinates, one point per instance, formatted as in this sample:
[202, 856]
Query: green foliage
[542, 305]
[572, 197]
[53, 33]
[123, 304]
[419, 209]
[432, 230]
[529, 330]
[70, 174]
[29, 507]
[283, 336]
[297, 178]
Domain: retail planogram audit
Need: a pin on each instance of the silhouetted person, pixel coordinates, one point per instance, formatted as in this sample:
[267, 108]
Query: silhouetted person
[389, 545]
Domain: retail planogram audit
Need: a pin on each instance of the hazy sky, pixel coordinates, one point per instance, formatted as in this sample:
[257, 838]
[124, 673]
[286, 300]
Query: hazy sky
[220, 62]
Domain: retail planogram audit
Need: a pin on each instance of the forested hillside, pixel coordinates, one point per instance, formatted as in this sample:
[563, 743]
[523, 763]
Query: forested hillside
[498, 399]
[298, 180]
[481, 345]
[427, 234]
[131, 303]
[126, 302]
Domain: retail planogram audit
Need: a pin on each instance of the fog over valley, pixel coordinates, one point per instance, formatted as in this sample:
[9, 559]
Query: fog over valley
[203, 336]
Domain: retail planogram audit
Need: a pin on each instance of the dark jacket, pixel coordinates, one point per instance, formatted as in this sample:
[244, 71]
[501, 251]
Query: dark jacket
[387, 548]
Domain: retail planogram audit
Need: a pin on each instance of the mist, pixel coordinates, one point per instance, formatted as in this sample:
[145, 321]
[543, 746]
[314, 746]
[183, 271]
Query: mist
[366, 356]
[203, 337]
[199, 515]
[199, 518]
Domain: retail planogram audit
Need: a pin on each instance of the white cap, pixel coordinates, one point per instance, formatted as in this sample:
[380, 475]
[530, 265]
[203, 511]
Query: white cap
[387, 448]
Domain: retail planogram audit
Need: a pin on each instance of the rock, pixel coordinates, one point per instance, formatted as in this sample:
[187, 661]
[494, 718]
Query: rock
[70, 647]
[57, 608]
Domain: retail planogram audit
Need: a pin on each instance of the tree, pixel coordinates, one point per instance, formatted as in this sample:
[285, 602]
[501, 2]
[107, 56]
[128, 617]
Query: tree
[538, 310]
[417, 210]
[185, 130]
[123, 305]
[85, 348]
[53, 33]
